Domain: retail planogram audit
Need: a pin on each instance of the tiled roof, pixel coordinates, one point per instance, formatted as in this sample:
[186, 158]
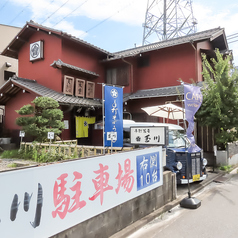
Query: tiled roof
[158, 92]
[59, 64]
[209, 34]
[15, 84]
[36, 25]
[31, 27]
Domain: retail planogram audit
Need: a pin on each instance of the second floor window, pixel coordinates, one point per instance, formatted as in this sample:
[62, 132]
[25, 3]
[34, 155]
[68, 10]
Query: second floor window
[8, 74]
[118, 76]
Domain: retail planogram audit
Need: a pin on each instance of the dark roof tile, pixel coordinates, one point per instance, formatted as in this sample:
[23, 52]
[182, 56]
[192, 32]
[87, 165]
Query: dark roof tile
[40, 90]
[157, 92]
[59, 64]
[209, 34]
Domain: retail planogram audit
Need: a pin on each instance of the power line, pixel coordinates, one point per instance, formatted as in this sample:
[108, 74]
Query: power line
[232, 35]
[232, 41]
[106, 19]
[54, 12]
[48, 5]
[70, 13]
[19, 14]
[4, 5]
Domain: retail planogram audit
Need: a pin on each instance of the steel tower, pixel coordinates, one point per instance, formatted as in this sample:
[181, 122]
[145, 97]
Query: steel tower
[167, 19]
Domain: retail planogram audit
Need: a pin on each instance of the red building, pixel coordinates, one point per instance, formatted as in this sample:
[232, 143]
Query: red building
[55, 64]
[154, 71]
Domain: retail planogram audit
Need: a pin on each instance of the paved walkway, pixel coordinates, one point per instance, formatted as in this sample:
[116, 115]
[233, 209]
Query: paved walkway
[216, 217]
[195, 188]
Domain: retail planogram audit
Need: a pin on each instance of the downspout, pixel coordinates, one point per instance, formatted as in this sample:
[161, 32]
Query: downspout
[131, 74]
[196, 61]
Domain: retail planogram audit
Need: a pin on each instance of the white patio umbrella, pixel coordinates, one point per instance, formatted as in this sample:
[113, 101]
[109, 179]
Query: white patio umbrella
[169, 111]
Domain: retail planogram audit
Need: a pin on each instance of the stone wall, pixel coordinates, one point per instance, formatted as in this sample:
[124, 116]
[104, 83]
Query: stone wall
[108, 223]
[228, 156]
[232, 149]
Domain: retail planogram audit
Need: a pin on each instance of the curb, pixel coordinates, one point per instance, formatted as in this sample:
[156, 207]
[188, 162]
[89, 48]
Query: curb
[143, 221]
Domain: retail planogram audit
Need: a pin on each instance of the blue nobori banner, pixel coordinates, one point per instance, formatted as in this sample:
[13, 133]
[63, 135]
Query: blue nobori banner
[113, 106]
[193, 100]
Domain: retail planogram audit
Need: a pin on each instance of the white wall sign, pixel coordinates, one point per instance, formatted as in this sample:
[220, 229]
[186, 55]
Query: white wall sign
[149, 135]
[43, 201]
[22, 134]
[36, 50]
[215, 150]
[51, 135]
[66, 124]
[112, 135]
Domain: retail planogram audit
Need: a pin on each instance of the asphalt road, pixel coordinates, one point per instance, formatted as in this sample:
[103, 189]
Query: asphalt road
[216, 217]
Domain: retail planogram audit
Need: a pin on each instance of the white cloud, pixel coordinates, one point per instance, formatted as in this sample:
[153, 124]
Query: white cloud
[126, 11]
[68, 28]
[55, 13]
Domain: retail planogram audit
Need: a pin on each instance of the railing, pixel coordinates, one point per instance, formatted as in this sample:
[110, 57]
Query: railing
[72, 148]
[67, 142]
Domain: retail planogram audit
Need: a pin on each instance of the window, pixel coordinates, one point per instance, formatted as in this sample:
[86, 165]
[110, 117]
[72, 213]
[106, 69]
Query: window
[118, 76]
[8, 74]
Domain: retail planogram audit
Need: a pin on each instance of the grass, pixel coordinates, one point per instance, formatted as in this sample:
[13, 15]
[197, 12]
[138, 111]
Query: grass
[12, 165]
[9, 154]
[226, 168]
[37, 154]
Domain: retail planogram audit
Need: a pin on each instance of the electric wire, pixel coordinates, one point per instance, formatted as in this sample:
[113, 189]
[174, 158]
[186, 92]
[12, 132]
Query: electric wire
[232, 41]
[48, 5]
[101, 22]
[232, 35]
[54, 12]
[19, 14]
[4, 5]
[70, 13]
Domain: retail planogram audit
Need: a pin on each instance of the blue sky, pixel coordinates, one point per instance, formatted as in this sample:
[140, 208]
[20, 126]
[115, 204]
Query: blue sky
[112, 25]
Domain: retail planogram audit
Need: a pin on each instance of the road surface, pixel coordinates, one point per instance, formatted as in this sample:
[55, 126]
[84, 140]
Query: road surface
[216, 217]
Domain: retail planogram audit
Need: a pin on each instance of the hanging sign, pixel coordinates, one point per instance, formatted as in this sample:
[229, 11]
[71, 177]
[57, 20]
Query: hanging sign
[113, 106]
[149, 135]
[193, 101]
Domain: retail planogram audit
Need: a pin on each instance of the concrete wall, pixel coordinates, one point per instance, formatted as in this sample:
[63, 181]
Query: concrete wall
[228, 156]
[117, 218]
[7, 33]
[233, 153]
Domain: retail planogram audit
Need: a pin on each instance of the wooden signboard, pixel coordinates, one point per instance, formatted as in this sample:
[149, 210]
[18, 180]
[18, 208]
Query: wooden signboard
[68, 85]
[90, 89]
[80, 88]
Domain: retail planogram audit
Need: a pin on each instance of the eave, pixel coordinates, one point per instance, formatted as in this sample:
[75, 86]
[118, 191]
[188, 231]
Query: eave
[15, 84]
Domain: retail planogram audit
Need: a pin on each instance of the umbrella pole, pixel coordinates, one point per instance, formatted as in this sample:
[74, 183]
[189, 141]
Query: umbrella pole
[167, 120]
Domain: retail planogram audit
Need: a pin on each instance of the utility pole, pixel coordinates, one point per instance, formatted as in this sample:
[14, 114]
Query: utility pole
[168, 19]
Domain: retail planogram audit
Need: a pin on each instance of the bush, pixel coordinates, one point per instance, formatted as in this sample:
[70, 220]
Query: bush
[9, 154]
[38, 154]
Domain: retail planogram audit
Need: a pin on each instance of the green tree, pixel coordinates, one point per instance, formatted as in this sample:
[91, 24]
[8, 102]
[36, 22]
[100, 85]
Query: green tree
[219, 109]
[43, 117]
